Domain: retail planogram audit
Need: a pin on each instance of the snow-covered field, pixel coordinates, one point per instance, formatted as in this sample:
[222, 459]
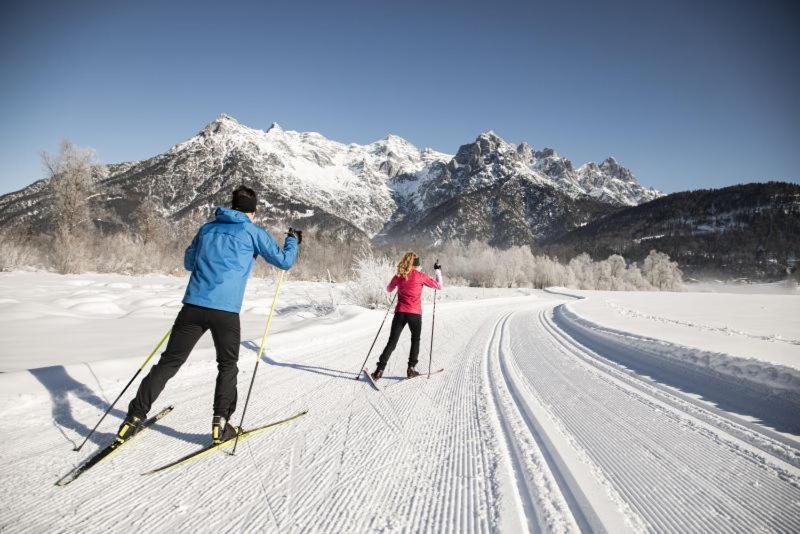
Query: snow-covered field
[759, 326]
[616, 412]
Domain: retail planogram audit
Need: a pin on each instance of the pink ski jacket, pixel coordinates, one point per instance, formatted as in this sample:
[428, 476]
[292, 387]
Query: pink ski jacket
[409, 290]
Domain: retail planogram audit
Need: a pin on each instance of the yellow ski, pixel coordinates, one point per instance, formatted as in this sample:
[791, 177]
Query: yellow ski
[104, 454]
[214, 448]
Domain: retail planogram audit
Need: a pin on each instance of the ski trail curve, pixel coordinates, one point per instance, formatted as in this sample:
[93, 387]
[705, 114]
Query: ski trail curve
[676, 475]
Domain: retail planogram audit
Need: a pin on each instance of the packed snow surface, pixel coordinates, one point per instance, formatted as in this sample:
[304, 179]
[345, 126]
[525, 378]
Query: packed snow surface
[532, 426]
[759, 326]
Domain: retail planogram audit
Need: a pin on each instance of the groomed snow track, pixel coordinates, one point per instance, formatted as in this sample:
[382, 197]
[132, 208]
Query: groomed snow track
[526, 430]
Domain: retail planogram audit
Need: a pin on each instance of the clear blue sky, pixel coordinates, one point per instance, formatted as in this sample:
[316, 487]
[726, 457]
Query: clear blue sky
[687, 94]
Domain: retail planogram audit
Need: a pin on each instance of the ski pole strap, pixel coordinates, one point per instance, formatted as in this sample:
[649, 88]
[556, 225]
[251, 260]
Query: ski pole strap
[156, 349]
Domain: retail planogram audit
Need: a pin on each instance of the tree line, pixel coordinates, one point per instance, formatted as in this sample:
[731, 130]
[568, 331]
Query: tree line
[76, 241]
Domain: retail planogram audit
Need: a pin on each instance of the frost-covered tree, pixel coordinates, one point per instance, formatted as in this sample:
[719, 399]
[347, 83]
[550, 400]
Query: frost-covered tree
[611, 273]
[634, 281]
[371, 273]
[583, 271]
[513, 266]
[549, 272]
[662, 273]
[71, 176]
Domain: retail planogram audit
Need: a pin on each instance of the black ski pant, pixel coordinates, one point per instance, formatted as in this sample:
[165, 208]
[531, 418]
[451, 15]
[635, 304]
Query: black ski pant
[400, 320]
[191, 323]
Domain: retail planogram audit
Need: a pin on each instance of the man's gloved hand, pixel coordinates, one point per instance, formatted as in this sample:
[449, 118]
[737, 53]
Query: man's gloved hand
[297, 234]
[436, 266]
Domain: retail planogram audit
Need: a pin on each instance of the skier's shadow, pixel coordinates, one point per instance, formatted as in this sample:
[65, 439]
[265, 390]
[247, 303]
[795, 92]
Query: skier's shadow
[60, 385]
[325, 371]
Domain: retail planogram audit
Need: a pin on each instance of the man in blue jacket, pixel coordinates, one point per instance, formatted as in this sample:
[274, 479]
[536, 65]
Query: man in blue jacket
[220, 259]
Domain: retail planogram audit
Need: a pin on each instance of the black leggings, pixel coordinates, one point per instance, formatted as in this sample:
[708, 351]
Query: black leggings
[191, 323]
[400, 320]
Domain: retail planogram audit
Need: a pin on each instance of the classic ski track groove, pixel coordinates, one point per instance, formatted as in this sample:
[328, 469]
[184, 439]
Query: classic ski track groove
[530, 513]
[721, 504]
[769, 441]
[452, 459]
[776, 447]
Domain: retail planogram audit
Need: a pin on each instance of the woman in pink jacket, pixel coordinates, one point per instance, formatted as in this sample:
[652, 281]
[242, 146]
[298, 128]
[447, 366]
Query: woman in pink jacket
[409, 281]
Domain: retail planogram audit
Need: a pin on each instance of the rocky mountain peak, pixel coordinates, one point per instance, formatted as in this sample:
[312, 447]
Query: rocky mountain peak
[525, 151]
[490, 142]
[616, 170]
[590, 167]
[545, 153]
[394, 144]
[222, 124]
[612, 181]
[484, 150]
[548, 162]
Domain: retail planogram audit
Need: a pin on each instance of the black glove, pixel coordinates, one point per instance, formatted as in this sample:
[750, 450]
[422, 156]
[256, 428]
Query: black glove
[436, 265]
[297, 234]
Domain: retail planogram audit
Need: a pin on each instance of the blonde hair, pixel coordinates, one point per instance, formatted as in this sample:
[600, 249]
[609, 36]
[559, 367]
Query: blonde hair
[406, 264]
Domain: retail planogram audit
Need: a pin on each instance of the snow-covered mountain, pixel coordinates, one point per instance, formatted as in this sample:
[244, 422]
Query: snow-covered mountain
[612, 182]
[493, 191]
[386, 188]
[300, 175]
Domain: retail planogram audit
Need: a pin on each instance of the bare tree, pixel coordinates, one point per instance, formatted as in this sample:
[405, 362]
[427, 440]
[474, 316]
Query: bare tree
[151, 225]
[70, 173]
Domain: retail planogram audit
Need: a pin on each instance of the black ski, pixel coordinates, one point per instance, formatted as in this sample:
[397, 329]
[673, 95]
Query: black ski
[103, 454]
[214, 448]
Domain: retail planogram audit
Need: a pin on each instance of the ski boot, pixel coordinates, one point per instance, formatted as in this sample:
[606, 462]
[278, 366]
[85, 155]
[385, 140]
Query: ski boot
[411, 372]
[128, 428]
[377, 374]
[222, 430]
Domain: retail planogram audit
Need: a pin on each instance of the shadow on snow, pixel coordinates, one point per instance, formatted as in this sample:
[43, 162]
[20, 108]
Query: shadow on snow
[61, 387]
[324, 371]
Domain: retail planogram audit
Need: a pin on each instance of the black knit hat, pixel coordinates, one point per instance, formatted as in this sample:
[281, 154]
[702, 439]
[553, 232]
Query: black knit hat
[244, 199]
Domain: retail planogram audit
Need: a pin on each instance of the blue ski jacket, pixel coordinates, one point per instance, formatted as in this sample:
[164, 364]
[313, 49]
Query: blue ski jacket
[221, 257]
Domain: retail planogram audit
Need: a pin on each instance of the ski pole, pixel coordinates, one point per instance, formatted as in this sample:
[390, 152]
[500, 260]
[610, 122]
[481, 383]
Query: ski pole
[260, 352]
[376, 337]
[433, 323]
[124, 389]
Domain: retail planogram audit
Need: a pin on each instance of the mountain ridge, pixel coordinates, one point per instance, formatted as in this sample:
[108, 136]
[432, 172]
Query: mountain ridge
[750, 229]
[379, 189]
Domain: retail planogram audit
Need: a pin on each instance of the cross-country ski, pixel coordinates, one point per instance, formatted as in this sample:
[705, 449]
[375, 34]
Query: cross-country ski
[368, 377]
[214, 447]
[107, 452]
